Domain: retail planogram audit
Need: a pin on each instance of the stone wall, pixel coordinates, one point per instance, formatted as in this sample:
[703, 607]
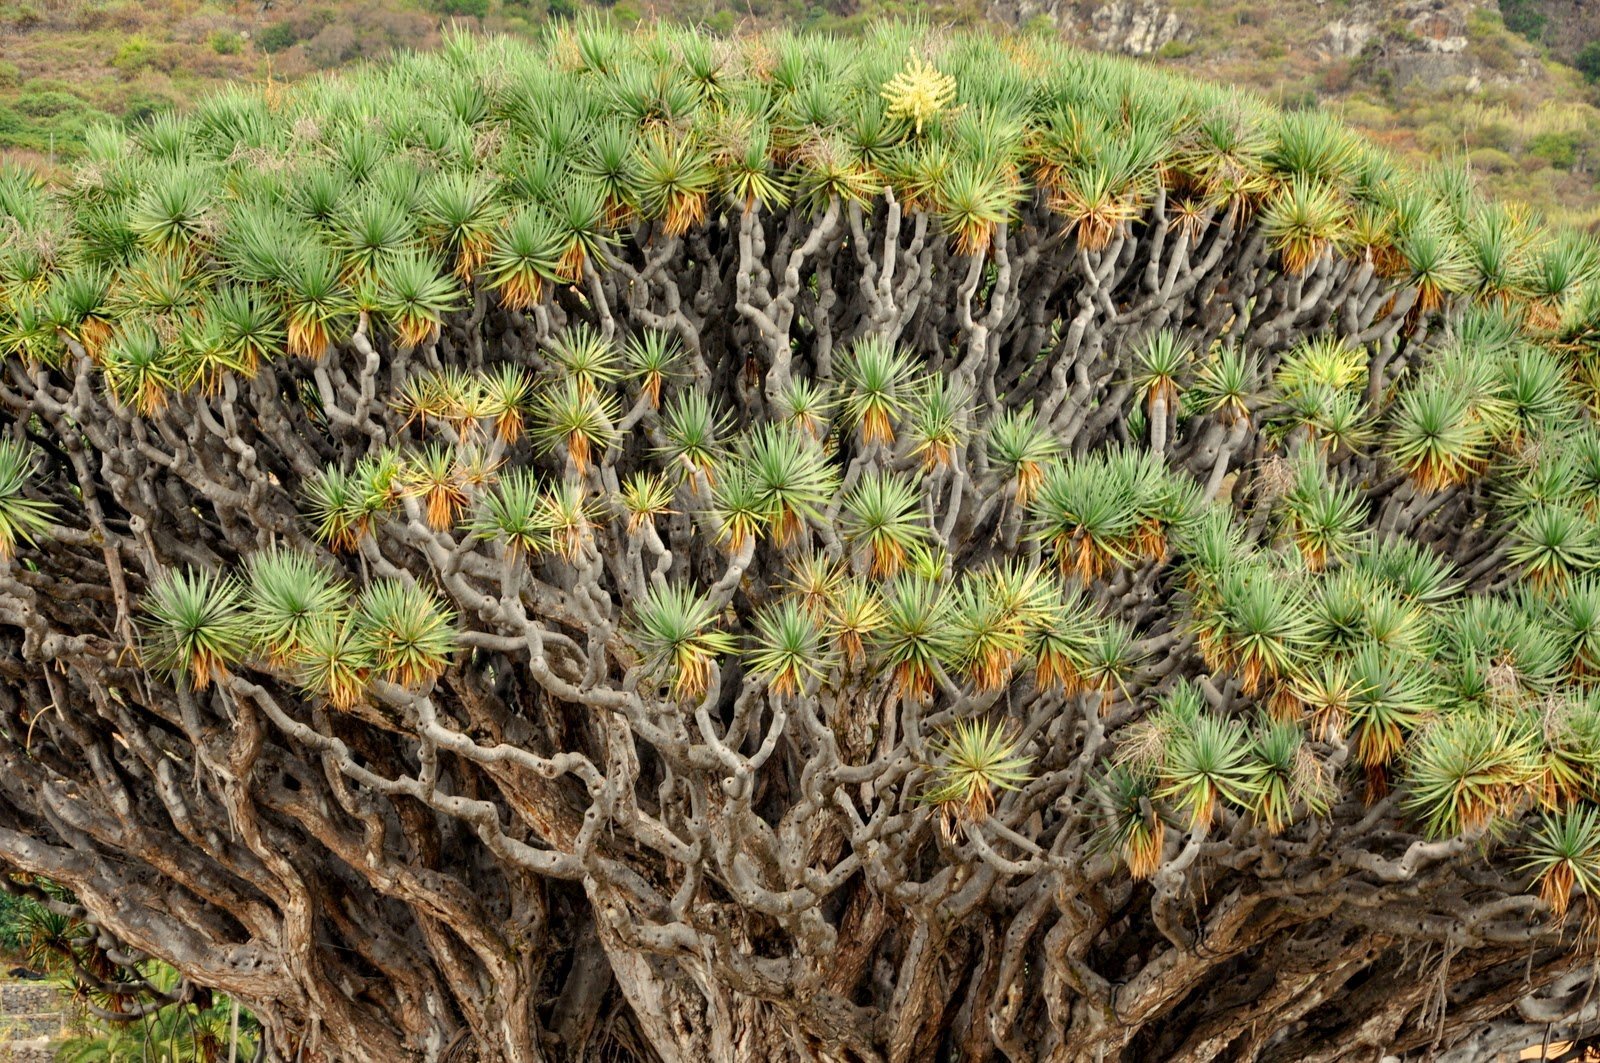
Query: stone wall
[30, 1016]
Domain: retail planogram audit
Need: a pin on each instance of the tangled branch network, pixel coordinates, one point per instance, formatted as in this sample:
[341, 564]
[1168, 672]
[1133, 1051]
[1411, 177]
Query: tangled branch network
[933, 546]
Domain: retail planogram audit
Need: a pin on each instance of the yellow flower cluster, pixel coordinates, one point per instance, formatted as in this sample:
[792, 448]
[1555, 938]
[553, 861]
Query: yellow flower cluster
[919, 92]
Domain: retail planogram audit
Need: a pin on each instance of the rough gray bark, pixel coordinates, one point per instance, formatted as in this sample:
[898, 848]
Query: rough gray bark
[536, 859]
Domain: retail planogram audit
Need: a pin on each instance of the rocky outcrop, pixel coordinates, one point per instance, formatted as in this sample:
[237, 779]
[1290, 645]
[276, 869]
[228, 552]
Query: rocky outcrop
[1131, 27]
[1134, 28]
[1567, 25]
[1400, 40]
[1431, 40]
[1410, 29]
[1431, 44]
[1347, 36]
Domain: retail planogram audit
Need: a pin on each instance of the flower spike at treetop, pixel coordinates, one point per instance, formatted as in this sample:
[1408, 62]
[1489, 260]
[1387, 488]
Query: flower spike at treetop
[918, 92]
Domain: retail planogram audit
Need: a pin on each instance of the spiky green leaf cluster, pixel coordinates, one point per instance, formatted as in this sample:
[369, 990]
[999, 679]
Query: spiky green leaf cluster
[1213, 545]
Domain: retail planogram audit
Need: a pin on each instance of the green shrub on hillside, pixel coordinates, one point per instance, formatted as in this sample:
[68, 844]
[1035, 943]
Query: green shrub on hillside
[1558, 149]
[51, 123]
[226, 42]
[277, 37]
[1492, 161]
[1524, 17]
[1587, 61]
[135, 53]
[140, 106]
[47, 104]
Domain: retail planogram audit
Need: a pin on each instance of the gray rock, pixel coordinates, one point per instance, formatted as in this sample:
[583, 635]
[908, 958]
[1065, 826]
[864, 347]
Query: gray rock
[1345, 37]
[1134, 28]
[35, 1051]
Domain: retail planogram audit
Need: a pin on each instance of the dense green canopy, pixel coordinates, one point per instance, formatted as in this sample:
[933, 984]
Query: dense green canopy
[790, 548]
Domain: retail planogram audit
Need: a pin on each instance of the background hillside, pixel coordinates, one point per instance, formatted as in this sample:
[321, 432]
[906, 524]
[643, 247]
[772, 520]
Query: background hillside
[1500, 83]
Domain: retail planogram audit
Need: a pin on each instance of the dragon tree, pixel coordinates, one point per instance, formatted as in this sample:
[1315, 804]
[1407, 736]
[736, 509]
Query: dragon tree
[937, 546]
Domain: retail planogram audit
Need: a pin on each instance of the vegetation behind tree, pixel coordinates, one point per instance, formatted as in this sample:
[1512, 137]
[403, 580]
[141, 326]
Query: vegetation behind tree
[123, 1008]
